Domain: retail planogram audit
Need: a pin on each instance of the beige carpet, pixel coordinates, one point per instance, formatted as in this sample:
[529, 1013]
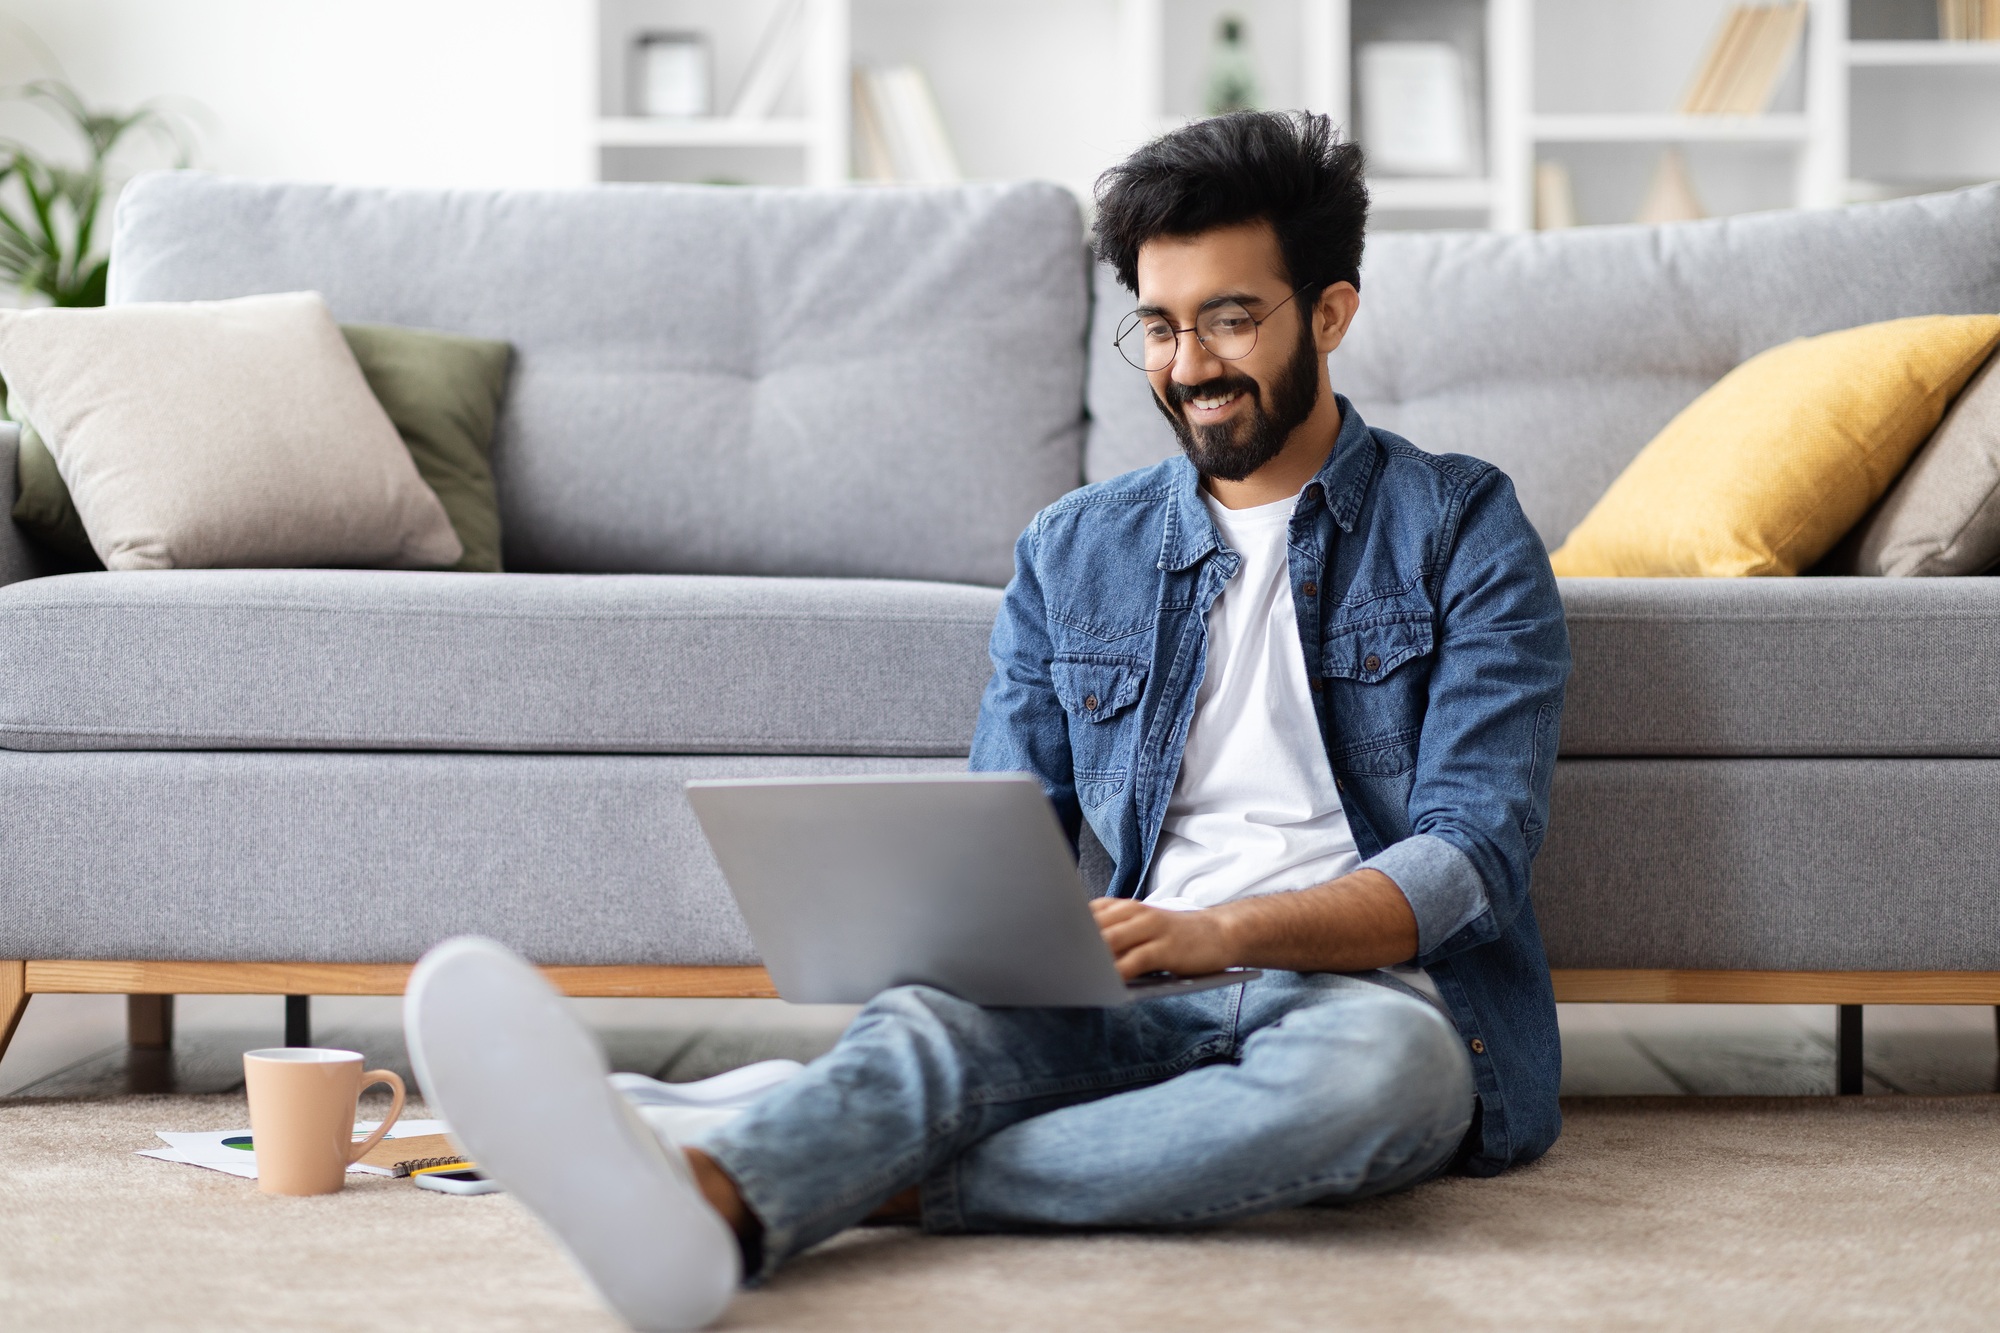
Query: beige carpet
[1672, 1214]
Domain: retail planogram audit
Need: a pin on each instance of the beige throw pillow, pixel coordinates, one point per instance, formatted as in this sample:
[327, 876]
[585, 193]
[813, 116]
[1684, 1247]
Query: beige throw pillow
[221, 434]
[1943, 516]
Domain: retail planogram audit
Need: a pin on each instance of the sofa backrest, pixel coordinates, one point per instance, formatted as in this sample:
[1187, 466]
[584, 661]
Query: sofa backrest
[880, 382]
[1557, 355]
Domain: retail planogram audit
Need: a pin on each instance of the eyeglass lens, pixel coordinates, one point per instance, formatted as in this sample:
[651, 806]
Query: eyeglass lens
[1150, 341]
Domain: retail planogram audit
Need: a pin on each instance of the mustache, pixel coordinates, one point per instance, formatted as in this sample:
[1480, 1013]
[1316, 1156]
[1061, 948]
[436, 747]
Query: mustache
[1179, 395]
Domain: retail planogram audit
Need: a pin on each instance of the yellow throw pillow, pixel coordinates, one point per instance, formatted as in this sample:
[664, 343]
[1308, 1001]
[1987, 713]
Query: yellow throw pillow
[1768, 469]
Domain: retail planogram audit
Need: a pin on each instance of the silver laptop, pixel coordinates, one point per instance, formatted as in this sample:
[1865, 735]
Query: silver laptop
[963, 881]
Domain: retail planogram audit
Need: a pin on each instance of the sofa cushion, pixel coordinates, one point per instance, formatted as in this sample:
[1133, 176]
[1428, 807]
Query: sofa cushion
[373, 858]
[1943, 517]
[1557, 355]
[1768, 469]
[442, 392]
[1786, 864]
[221, 434]
[355, 660]
[1819, 667]
[869, 383]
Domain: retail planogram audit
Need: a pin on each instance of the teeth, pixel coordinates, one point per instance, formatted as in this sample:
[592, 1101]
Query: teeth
[1210, 404]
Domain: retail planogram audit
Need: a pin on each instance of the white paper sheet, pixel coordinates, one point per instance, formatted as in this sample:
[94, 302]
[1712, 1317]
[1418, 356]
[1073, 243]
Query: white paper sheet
[217, 1151]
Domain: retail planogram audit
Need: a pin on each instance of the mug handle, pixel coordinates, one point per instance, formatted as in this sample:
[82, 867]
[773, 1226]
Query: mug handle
[369, 1079]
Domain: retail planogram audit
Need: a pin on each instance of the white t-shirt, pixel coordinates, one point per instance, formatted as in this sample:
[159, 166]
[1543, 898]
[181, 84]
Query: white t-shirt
[1254, 809]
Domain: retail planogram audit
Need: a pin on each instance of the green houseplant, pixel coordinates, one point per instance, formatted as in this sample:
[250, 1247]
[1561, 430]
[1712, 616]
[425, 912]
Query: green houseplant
[49, 212]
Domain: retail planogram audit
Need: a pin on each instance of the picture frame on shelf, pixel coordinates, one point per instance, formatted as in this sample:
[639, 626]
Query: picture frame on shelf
[673, 75]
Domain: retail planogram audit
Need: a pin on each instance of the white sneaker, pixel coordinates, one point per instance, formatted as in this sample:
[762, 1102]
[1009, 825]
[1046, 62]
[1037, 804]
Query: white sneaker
[734, 1089]
[679, 1113]
[523, 1086]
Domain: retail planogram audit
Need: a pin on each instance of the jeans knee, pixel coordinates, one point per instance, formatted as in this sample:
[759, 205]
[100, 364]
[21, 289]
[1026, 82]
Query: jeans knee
[1390, 1060]
[915, 1000]
[1432, 1081]
[924, 1012]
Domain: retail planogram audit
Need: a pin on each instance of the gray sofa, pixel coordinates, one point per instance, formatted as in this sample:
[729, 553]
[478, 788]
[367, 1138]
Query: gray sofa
[761, 464]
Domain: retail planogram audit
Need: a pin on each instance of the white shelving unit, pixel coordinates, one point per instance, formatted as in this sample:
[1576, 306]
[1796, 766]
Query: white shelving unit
[1598, 97]
[1060, 89]
[806, 142]
[721, 132]
[1856, 100]
[1908, 54]
[1318, 40]
[1670, 128]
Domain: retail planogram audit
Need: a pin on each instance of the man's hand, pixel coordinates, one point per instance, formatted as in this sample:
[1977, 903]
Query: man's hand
[1152, 939]
[1354, 923]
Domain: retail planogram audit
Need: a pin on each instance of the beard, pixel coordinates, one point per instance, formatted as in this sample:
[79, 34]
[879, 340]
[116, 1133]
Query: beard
[1232, 450]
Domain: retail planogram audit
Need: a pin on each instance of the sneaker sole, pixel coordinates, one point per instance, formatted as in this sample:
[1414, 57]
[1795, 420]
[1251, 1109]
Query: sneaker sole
[523, 1086]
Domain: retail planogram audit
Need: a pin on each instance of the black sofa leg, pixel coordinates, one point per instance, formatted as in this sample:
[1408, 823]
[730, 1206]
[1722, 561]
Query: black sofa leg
[1848, 1050]
[149, 1022]
[298, 1020]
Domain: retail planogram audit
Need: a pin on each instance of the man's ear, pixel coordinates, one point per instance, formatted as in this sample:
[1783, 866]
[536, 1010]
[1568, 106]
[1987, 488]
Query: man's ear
[1333, 313]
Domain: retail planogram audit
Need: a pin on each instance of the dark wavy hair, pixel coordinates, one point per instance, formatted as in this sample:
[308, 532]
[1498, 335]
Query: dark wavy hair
[1289, 168]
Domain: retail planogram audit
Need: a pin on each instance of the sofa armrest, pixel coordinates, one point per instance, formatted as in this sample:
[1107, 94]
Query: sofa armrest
[18, 557]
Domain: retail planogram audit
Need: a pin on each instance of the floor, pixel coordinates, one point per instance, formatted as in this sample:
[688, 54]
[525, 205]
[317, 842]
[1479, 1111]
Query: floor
[1650, 1215]
[73, 1045]
[1668, 1211]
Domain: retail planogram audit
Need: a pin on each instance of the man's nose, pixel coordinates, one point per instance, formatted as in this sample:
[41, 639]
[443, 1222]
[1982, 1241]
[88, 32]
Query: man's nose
[1193, 363]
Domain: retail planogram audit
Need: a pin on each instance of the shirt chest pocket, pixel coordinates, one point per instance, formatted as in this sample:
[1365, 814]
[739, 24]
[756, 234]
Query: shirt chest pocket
[1098, 692]
[1376, 671]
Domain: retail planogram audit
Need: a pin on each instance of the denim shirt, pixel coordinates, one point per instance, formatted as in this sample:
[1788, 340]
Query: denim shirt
[1436, 655]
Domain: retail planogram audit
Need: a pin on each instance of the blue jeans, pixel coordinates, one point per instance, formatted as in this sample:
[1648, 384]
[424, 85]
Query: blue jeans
[1181, 1111]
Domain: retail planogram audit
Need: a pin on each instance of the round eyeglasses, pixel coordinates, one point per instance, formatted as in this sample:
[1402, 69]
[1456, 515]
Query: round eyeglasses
[1150, 341]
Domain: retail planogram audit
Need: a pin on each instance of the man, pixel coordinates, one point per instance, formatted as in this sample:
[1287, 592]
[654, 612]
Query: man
[1304, 686]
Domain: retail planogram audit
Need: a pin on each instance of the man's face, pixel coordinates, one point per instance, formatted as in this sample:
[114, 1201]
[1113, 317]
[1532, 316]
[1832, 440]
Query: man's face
[1232, 417]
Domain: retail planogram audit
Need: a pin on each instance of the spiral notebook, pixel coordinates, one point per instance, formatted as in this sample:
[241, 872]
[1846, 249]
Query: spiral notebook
[399, 1157]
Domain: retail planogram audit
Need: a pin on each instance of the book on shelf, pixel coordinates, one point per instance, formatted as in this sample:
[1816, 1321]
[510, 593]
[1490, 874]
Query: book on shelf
[1555, 200]
[899, 134]
[1722, 55]
[1747, 59]
[1969, 20]
[777, 59]
[1671, 197]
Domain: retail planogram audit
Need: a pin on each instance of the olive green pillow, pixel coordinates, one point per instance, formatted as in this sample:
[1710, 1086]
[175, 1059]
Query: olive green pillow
[43, 507]
[442, 391]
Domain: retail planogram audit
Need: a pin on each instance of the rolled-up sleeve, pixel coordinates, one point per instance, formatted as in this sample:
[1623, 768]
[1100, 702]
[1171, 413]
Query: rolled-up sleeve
[1441, 883]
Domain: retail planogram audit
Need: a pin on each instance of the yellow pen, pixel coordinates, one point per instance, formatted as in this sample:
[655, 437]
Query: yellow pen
[443, 1166]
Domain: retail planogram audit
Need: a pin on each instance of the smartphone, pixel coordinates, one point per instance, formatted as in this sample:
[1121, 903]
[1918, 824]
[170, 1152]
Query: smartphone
[457, 1182]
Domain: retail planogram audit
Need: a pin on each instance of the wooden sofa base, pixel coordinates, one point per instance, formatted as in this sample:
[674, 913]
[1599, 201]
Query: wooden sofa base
[152, 985]
[153, 1024]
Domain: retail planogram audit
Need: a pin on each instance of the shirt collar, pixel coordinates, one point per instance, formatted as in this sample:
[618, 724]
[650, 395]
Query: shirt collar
[1342, 482]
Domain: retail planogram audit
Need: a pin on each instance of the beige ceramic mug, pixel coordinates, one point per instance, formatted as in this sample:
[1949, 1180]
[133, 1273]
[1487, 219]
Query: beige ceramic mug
[302, 1102]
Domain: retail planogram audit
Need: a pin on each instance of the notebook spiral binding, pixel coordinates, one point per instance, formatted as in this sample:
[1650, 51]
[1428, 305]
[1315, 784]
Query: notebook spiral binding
[419, 1163]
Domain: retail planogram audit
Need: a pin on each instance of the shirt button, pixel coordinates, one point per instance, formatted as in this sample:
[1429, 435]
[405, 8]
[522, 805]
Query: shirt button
[1310, 590]
[1090, 702]
[1478, 1046]
[1371, 663]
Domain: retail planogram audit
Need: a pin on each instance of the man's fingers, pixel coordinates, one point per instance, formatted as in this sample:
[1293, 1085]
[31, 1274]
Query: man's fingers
[1129, 934]
[1148, 957]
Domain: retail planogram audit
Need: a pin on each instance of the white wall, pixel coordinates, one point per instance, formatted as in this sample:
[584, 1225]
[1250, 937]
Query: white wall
[403, 92]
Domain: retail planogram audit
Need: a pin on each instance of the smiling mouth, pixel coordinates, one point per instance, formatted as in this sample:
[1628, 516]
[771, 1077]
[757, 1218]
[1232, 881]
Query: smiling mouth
[1215, 402]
